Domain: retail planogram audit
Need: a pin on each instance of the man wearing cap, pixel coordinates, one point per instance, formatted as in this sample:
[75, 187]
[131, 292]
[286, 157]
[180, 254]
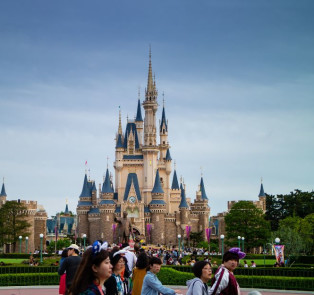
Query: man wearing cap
[70, 264]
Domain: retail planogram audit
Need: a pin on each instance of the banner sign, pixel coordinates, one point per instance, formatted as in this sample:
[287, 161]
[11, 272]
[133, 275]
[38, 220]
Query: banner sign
[279, 252]
[188, 230]
[208, 233]
[149, 228]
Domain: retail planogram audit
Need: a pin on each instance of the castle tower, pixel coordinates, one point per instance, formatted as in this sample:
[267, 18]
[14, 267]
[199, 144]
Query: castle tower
[139, 123]
[150, 149]
[184, 209]
[157, 207]
[175, 194]
[118, 164]
[107, 208]
[83, 207]
[262, 198]
[3, 195]
[200, 208]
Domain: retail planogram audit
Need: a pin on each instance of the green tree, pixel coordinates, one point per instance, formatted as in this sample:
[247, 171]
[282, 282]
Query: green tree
[247, 221]
[61, 244]
[296, 203]
[13, 222]
[196, 237]
[296, 234]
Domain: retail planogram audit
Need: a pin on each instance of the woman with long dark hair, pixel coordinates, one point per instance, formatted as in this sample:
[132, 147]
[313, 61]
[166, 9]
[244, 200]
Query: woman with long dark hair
[94, 270]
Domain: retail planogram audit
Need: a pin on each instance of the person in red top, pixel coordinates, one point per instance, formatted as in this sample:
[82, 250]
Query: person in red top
[224, 281]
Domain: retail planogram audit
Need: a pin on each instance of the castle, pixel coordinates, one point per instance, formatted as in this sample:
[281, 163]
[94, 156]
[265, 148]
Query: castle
[36, 216]
[143, 187]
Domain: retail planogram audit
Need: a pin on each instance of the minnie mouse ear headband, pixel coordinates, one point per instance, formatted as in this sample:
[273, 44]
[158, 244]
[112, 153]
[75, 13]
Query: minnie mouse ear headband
[97, 247]
[238, 252]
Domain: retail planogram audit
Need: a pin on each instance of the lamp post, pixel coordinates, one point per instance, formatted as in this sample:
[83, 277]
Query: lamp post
[222, 244]
[20, 247]
[41, 236]
[277, 241]
[84, 239]
[26, 244]
[242, 244]
[239, 241]
[179, 238]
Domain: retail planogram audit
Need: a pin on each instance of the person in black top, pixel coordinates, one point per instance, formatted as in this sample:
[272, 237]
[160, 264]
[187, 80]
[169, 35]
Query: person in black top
[70, 265]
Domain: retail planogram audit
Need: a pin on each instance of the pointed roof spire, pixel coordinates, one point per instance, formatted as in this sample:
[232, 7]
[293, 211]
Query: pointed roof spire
[168, 157]
[86, 192]
[183, 203]
[139, 117]
[261, 192]
[3, 193]
[175, 183]
[120, 125]
[106, 188]
[151, 92]
[119, 141]
[66, 211]
[163, 119]
[157, 186]
[202, 188]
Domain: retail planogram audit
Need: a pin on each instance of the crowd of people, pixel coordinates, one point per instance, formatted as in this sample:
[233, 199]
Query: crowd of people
[132, 271]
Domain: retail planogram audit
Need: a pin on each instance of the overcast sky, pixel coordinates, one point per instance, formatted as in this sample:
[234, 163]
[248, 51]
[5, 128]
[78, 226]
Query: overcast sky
[237, 76]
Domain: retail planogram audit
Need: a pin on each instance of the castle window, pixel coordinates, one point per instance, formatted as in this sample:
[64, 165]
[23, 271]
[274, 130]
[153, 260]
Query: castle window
[164, 142]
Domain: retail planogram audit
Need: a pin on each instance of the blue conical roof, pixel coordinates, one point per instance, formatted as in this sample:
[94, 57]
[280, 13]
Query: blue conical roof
[3, 193]
[86, 192]
[157, 186]
[204, 197]
[66, 211]
[106, 187]
[261, 192]
[183, 203]
[94, 187]
[175, 183]
[168, 157]
[163, 120]
[139, 112]
[119, 142]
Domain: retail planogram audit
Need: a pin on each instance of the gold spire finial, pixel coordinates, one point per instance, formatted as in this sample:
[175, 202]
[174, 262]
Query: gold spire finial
[201, 171]
[66, 201]
[163, 99]
[88, 174]
[120, 125]
[107, 161]
[261, 179]
[139, 93]
[175, 165]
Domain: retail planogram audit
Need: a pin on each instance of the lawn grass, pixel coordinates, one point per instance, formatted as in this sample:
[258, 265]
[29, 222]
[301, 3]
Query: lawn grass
[12, 260]
[259, 262]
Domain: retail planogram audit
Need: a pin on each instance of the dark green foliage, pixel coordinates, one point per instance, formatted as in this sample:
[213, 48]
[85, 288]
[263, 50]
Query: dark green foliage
[13, 223]
[245, 220]
[195, 238]
[61, 244]
[296, 203]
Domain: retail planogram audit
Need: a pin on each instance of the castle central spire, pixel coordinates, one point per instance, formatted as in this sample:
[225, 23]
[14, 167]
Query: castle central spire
[151, 92]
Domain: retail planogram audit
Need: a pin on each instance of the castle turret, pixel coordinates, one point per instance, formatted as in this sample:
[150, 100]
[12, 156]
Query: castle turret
[184, 210]
[139, 123]
[83, 207]
[157, 207]
[107, 207]
[3, 195]
[150, 148]
[200, 207]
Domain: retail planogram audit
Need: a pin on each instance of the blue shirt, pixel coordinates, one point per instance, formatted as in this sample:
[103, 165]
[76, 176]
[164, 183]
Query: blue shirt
[152, 286]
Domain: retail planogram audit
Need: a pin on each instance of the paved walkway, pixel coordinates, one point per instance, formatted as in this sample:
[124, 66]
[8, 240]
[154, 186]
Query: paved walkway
[53, 290]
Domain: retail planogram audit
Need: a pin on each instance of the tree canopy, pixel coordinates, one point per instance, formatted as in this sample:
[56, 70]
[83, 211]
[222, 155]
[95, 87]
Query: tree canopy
[13, 223]
[296, 203]
[247, 221]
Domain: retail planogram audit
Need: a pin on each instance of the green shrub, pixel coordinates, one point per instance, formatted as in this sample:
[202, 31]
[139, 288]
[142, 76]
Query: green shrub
[29, 279]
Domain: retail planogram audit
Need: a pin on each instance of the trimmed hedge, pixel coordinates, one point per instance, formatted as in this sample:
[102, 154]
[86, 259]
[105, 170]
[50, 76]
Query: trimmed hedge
[22, 255]
[169, 276]
[29, 279]
[28, 269]
[258, 271]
